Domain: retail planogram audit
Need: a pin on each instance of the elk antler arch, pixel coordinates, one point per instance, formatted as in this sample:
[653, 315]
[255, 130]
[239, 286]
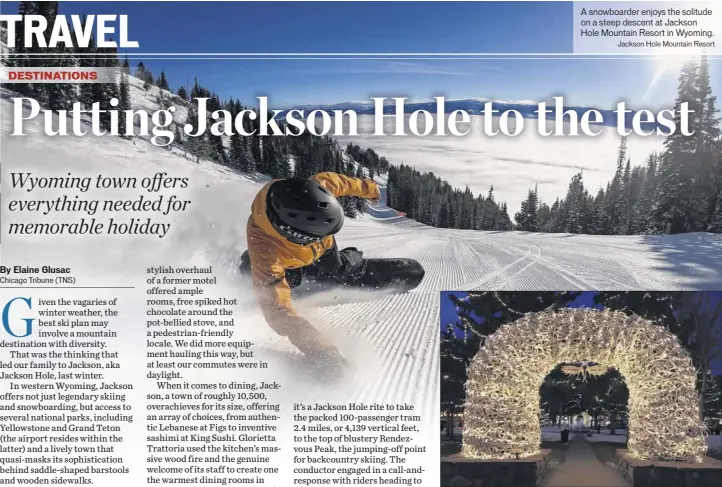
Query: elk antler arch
[502, 404]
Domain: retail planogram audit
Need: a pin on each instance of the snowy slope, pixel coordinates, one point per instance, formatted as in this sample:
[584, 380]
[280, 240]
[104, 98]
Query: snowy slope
[391, 339]
[454, 259]
[214, 229]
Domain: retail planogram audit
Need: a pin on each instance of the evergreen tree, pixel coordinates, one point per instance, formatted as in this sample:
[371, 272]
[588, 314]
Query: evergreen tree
[575, 215]
[178, 135]
[429, 199]
[163, 82]
[88, 92]
[480, 315]
[641, 222]
[215, 142]
[390, 193]
[199, 147]
[361, 204]
[716, 220]
[248, 162]
[658, 306]
[627, 201]
[554, 395]
[59, 96]
[526, 219]
[140, 71]
[453, 377]
[676, 191]
[708, 170]
[347, 203]
[27, 55]
[615, 404]
[236, 152]
[104, 93]
[255, 150]
[504, 220]
[710, 396]
[144, 74]
[62, 96]
[694, 317]
[613, 204]
[17, 56]
[284, 159]
[699, 328]
[677, 207]
[272, 160]
[124, 102]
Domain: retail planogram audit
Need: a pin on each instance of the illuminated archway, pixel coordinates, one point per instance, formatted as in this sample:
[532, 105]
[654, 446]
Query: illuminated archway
[501, 416]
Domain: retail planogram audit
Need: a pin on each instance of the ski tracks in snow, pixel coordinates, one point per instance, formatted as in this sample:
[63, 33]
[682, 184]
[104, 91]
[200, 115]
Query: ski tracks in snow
[393, 339]
[392, 344]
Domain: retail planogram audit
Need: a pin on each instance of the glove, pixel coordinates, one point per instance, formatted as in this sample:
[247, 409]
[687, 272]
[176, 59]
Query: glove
[330, 263]
[352, 259]
[245, 266]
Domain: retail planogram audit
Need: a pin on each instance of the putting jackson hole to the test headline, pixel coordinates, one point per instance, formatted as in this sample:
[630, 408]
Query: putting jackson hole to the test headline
[320, 122]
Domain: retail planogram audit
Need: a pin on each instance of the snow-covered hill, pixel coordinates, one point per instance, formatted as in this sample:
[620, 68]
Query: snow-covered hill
[392, 339]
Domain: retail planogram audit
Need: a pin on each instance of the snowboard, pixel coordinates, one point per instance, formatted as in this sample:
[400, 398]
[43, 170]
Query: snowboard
[397, 274]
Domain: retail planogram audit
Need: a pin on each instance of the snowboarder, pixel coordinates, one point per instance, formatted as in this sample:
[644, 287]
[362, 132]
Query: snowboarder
[291, 237]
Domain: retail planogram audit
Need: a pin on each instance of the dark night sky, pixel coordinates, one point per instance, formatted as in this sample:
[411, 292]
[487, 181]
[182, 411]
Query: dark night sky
[586, 299]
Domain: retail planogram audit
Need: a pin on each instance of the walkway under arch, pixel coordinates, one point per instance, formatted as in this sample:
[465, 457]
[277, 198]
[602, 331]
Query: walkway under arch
[582, 468]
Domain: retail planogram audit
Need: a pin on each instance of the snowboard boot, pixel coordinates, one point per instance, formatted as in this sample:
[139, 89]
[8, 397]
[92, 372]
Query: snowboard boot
[381, 273]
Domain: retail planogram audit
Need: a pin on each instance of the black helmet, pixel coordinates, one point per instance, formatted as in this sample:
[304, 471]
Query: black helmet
[302, 210]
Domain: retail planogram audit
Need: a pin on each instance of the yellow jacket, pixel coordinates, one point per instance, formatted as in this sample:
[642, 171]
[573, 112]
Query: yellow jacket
[271, 254]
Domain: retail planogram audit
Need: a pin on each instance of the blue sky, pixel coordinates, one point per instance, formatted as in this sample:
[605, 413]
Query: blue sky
[586, 299]
[511, 27]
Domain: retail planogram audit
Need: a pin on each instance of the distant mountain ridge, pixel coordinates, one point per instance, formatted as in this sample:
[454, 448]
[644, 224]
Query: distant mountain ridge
[473, 106]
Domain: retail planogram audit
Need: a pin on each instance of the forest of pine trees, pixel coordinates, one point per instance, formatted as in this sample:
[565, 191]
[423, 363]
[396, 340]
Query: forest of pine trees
[431, 200]
[676, 191]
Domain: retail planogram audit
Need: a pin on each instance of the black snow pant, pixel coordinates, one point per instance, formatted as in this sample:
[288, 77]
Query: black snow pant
[347, 267]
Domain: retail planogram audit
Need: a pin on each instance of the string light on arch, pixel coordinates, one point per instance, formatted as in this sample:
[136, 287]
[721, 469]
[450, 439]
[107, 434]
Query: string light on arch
[501, 416]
